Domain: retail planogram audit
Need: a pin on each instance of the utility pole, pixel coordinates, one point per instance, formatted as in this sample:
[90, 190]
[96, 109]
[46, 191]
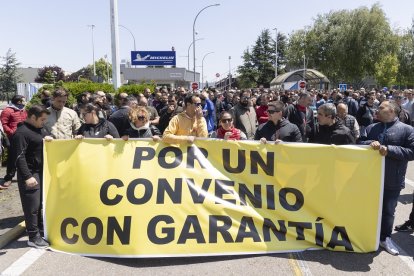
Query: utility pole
[276, 53]
[93, 50]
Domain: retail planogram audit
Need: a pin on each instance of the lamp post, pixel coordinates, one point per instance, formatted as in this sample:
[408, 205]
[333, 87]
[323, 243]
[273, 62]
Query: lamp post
[133, 37]
[188, 53]
[229, 72]
[275, 53]
[202, 69]
[194, 52]
[93, 50]
[304, 67]
[107, 68]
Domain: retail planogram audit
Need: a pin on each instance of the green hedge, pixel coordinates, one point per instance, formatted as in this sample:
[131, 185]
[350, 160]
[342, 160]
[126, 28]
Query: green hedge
[76, 88]
[135, 89]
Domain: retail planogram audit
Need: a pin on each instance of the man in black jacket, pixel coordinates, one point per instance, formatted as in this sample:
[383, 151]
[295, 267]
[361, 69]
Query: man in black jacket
[301, 115]
[330, 130]
[394, 140]
[27, 143]
[277, 128]
[120, 117]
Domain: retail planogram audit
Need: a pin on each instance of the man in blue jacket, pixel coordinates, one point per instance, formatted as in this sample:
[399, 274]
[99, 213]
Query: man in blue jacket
[395, 141]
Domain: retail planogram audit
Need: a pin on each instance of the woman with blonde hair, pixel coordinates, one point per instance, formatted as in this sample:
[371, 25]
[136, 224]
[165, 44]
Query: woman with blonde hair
[139, 126]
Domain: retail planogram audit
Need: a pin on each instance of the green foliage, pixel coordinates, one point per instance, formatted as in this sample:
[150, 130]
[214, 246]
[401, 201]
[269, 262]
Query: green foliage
[346, 45]
[50, 74]
[258, 64]
[74, 89]
[9, 76]
[386, 70]
[405, 76]
[135, 89]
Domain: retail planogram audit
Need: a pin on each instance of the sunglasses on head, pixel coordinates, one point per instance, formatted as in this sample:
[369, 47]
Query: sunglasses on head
[226, 120]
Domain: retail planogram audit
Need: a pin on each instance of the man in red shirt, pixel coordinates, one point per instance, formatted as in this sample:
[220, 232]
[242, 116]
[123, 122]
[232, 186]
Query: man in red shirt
[261, 111]
[11, 116]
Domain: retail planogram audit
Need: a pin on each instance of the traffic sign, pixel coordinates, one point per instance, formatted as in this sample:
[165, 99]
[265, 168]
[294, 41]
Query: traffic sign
[302, 84]
[194, 85]
[342, 87]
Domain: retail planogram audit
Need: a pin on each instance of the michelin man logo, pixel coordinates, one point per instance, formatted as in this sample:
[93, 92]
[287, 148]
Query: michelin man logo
[139, 58]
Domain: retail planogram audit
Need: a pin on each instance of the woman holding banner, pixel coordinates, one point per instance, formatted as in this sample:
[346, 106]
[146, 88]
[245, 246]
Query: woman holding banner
[95, 127]
[227, 131]
[139, 121]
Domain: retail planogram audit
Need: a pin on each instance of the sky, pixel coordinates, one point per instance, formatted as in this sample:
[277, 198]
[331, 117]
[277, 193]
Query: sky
[46, 32]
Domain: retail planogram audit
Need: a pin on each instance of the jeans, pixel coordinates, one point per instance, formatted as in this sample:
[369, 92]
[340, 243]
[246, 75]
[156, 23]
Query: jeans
[31, 199]
[389, 203]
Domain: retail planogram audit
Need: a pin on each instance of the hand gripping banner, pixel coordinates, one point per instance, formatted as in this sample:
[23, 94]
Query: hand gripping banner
[147, 199]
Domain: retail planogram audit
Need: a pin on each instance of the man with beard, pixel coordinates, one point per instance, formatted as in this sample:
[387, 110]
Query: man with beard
[301, 115]
[28, 157]
[168, 112]
[395, 141]
[63, 122]
[245, 115]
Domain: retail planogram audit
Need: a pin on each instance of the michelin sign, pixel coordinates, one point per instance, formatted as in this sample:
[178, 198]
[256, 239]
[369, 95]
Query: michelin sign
[153, 58]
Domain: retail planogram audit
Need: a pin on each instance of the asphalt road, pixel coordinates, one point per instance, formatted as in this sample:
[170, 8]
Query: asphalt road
[305, 263]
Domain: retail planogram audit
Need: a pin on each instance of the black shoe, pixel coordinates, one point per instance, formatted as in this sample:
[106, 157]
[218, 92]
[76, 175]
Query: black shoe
[405, 227]
[38, 242]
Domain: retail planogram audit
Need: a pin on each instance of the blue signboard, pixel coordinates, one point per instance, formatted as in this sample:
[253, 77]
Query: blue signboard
[153, 58]
[343, 87]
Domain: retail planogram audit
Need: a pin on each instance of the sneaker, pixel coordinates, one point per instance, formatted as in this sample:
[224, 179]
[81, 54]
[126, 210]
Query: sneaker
[389, 246]
[405, 227]
[4, 184]
[37, 242]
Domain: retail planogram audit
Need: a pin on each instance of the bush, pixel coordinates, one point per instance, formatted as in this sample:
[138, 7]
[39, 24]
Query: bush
[76, 88]
[136, 89]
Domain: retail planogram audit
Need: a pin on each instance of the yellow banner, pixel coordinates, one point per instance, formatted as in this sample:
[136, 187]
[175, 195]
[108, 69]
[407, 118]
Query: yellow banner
[147, 199]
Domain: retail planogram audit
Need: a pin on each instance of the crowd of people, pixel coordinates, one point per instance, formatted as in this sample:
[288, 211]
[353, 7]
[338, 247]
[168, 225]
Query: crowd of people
[382, 119]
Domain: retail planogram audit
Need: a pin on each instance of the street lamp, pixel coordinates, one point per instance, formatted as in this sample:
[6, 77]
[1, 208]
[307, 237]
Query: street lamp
[194, 52]
[276, 53]
[93, 50]
[202, 69]
[188, 53]
[107, 68]
[133, 37]
[229, 72]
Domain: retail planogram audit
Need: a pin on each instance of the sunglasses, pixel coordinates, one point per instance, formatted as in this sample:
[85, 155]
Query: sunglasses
[141, 118]
[197, 104]
[226, 120]
[271, 111]
[246, 98]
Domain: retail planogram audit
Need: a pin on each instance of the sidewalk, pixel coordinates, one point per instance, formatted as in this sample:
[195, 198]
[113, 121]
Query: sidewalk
[11, 213]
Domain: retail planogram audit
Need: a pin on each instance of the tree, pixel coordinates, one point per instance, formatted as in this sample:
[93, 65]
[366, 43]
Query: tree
[248, 74]
[85, 73]
[405, 55]
[9, 76]
[258, 64]
[346, 45]
[386, 70]
[103, 69]
[50, 74]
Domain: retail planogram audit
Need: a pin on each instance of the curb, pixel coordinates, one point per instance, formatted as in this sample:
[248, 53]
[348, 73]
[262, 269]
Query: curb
[12, 234]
